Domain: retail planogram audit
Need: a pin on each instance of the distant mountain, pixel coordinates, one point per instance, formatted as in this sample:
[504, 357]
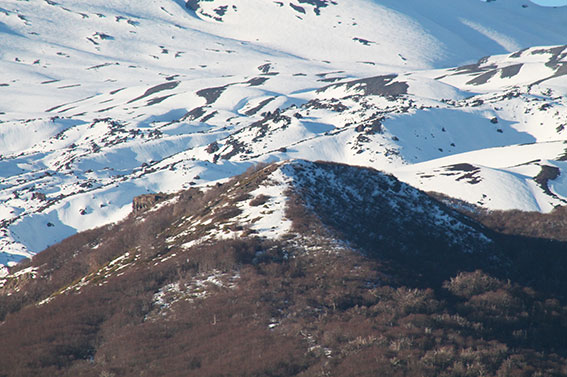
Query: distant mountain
[291, 269]
[102, 101]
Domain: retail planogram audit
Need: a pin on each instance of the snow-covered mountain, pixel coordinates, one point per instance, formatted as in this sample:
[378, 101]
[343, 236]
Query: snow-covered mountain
[102, 101]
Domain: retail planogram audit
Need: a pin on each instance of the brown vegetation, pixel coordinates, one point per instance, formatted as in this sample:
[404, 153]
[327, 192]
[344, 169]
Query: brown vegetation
[312, 304]
[551, 226]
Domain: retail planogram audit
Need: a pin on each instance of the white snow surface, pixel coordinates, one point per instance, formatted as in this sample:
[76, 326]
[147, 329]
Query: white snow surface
[101, 101]
[268, 219]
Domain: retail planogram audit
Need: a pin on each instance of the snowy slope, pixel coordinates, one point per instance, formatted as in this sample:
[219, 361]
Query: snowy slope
[418, 125]
[294, 202]
[105, 100]
[411, 33]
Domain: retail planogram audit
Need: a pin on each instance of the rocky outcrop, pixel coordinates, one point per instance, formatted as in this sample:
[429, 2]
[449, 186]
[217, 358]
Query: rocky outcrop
[147, 201]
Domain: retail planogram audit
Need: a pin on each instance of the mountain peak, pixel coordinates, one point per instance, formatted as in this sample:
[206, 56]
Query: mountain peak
[160, 96]
[283, 253]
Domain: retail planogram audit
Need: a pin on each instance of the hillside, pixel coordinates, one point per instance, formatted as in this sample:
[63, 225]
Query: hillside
[291, 269]
[103, 101]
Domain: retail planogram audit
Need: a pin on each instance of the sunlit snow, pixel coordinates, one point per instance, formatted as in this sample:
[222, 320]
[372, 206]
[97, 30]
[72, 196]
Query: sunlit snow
[105, 100]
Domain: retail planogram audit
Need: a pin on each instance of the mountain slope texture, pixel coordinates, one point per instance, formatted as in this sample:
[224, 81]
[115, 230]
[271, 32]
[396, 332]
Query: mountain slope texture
[197, 283]
[103, 101]
[283, 188]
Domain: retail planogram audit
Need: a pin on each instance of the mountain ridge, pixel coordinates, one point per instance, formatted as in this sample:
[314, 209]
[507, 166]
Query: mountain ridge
[283, 188]
[142, 295]
[132, 100]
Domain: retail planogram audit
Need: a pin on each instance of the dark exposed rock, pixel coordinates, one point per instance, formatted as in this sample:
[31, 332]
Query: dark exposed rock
[556, 54]
[195, 6]
[261, 105]
[256, 81]
[462, 167]
[332, 105]
[470, 177]
[192, 4]
[265, 68]
[547, 173]
[469, 68]
[318, 4]
[325, 74]
[39, 195]
[144, 202]
[213, 147]
[561, 70]
[332, 79]
[158, 88]
[236, 147]
[155, 101]
[483, 78]
[365, 42]
[221, 11]
[211, 94]
[383, 86]
[209, 116]
[518, 54]
[194, 114]
[379, 86]
[103, 36]
[510, 71]
[297, 8]
[470, 173]
[474, 68]
[370, 127]
[270, 117]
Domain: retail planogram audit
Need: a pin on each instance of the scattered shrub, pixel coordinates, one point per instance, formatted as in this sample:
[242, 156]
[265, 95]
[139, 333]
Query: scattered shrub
[468, 284]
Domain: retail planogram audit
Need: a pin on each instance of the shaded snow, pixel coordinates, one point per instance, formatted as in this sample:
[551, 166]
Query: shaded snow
[103, 101]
